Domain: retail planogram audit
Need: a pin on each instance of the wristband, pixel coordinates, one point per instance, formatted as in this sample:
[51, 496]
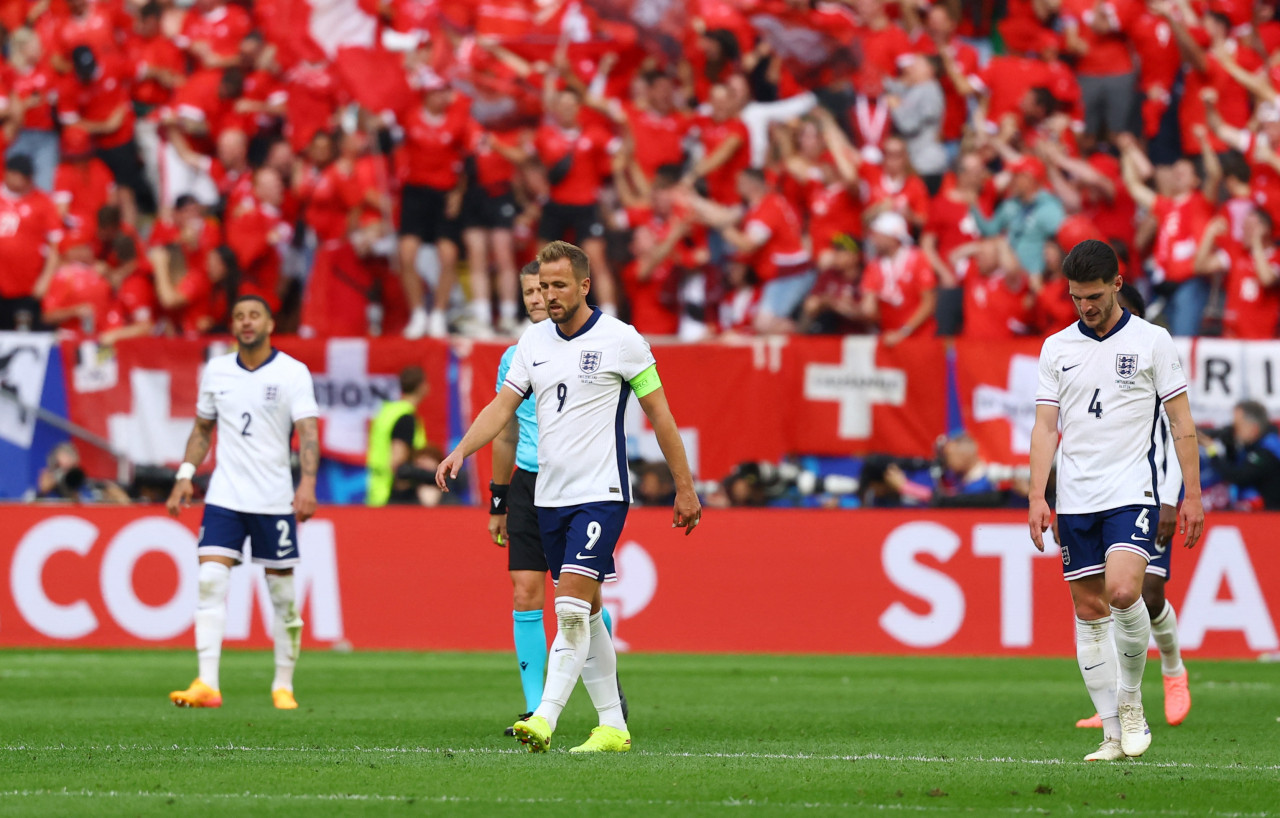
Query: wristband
[185, 472]
[499, 503]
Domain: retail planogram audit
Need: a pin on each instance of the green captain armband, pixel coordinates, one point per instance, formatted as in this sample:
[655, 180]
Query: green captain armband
[646, 382]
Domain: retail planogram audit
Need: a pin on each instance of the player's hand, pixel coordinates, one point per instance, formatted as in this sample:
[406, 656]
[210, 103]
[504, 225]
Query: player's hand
[1191, 521]
[687, 512]
[180, 497]
[1168, 525]
[498, 529]
[304, 502]
[1039, 518]
[448, 469]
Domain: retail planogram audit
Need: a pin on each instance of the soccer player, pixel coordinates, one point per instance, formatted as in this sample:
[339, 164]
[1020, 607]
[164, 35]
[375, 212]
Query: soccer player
[1103, 380]
[580, 367]
[258, 397]
[513, 520]
[1164, 621]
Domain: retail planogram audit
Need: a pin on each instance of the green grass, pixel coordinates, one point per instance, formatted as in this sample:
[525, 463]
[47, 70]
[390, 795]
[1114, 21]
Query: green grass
[412, 734]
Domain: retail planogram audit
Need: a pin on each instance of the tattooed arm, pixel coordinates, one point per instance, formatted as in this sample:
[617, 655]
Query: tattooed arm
[197, 448]
[304, 499]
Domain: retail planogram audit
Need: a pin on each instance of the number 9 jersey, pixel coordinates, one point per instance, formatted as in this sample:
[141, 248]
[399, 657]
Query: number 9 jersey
[1108, 392]
[255, 410]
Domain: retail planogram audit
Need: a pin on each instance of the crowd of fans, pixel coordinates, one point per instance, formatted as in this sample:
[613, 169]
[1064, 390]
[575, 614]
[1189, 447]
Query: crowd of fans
[790, 165]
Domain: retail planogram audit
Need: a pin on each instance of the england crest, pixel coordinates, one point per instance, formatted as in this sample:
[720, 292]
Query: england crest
[589, 361]
[272, 393]
[1126, 366]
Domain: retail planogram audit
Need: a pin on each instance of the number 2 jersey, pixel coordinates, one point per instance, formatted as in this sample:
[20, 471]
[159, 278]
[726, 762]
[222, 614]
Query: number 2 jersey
[580, 386]
[1108, 392]
[255, 410]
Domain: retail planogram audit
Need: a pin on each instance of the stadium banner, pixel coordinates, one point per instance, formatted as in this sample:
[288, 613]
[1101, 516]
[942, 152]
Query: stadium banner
[874, 582]
[141, 396]
[30, 380]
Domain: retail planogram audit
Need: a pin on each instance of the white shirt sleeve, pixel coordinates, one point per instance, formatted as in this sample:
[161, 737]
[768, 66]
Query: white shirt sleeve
[1047, 389]
[1170, 380]
[205, 407]
[302, 396]
[518, 373]
[634, 354]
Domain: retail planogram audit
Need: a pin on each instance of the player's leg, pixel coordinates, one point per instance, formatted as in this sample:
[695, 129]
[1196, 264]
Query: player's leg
[274, 541]
[1164, 630]
[1132, 633]
[1096, 656]
[563, 667]
[221, 542]
[506, 275]
[529, 633]
[447, 253]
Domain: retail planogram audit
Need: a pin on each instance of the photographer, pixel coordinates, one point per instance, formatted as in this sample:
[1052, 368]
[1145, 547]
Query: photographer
[63, 479]
[961, 479]
[1247, 456]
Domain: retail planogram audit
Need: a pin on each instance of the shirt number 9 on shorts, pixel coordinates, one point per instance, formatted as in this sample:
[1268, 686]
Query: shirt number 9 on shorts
[593, 534]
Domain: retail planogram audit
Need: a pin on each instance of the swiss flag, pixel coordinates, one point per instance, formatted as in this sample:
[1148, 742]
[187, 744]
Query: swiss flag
[997, 384]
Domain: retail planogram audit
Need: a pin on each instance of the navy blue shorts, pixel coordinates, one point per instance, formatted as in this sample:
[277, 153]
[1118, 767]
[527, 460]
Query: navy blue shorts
[1160, 560]
[581, 539]
[1088, 539]
[273, 538]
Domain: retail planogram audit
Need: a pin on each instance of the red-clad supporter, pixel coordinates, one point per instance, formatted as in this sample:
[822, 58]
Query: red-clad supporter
[212, 33]
[83, 184]
[256, 231]
[1252, 275]
[824, 167]
[997, 293]
[134, 308]
[960, 67]
[834, 305]
[1094, 190]
[1160, 60]
[884, 46]
[489, 212]
[951, 224]
[725, 146]
[714, 54]
[436, 135]
[96, 98]
[339, 293]
[264, 101]
[77, 297]
[657, 127]
[576, 156]
[894, 187]
[314, 95]
[30, 230]
[662, 248]
[187, 229]
[196, 296]
[1004, 82]
[1054, 308]
[738, 311]
[28, 89]
[899, 289]
[100, 26]
[159, 64]
[329, 190]
[1096, 35]
[1260, 150]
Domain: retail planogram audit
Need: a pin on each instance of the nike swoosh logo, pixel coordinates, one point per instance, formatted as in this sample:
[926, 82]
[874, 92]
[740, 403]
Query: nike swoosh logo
[1136, 538]
[1069, 368]
[561, 650]
[583, 556]
[1091, 667]
[280, 552]
[1132, 655]
[539, 363]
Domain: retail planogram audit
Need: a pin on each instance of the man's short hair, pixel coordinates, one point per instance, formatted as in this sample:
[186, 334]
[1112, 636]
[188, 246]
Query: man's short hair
[668, 176]
[1234, 166]
[531, 269]
[411, 379]
[578, 261]
[1091, 260]
[754, 174]
[110, 217]
[252, 297]
[1255, 412]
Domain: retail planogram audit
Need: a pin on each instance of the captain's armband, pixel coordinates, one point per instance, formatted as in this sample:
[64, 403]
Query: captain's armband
[646, 382]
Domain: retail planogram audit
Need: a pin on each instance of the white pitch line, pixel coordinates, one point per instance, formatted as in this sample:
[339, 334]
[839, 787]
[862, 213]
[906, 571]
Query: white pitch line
[892, 759]
[461, 799]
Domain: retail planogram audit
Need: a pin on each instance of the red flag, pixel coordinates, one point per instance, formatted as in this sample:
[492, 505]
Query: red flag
[374, 78]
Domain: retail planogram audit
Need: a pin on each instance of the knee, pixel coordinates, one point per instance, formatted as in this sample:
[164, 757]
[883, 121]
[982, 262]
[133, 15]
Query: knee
[212, 584]
[1123, 598]
[1154, 599]
[528, 597]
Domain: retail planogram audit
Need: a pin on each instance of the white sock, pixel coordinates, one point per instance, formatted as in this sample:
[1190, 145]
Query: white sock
[285, 623]
[211, 619]
[480, 311]
[567, 656]
[507, 310]
[1132, 633]
[1164, 629]
[600, 675]
[418, 314]
[1096, 654]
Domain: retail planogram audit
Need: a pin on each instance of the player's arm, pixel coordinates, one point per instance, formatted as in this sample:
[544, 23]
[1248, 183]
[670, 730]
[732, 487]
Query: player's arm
[304, 499]
[488, 425]
[504, 463]
[653, 400]
[1044, 442]
[197, 449]
[1182, 429]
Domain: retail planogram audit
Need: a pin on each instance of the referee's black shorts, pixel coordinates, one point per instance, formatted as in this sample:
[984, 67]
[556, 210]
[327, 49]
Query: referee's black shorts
[524, 536]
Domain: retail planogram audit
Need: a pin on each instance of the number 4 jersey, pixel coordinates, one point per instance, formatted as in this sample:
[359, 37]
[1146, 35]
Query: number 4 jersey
[1108, 392]
[580, 386]
[255, 410]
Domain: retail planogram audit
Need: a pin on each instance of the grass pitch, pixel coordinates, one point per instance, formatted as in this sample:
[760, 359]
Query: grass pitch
[413, 734]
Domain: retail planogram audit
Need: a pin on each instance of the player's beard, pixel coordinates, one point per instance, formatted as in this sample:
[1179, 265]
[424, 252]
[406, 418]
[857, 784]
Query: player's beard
[254, 343]
[567, 313]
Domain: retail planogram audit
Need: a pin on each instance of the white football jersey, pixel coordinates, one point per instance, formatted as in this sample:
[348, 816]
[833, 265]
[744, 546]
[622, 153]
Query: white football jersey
[1109, 392]
[255, 411]
[580, 386]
